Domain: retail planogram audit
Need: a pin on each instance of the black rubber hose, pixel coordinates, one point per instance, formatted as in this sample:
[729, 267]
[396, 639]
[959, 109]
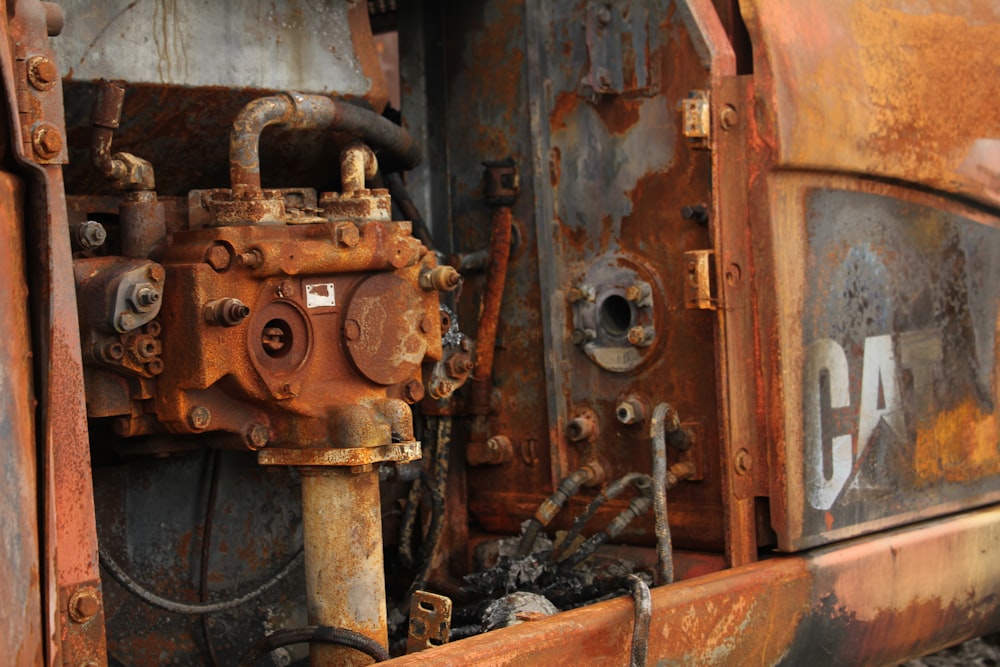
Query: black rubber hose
[567, 488]
[320, 634]
[610, 492]
[132, 586]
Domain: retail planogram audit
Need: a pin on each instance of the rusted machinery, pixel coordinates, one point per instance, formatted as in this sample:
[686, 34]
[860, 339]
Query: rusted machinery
[643, 330]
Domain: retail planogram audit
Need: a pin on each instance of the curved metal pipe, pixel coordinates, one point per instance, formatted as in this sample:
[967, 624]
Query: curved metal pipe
[664, 548]
[312, 112]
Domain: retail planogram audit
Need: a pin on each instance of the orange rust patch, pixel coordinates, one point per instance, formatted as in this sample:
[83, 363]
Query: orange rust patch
[565, 104]
[959, 445]
[618, 114]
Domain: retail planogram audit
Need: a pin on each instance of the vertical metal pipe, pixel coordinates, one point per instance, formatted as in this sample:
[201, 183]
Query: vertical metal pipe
[345, 580]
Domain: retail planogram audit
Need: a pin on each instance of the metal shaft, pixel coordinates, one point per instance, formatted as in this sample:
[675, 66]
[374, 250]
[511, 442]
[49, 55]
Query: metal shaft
[345, 580]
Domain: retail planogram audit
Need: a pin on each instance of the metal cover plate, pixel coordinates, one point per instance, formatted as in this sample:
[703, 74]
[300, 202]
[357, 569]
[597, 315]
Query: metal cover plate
[888, 334]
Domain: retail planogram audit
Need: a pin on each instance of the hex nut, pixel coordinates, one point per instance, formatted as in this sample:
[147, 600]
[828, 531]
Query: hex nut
[218, 257]
[413, 392]
[347, 235]
[42, 72]
[199, 417]
[257, 436]
[90, 234]
[84, 604]
[630, 411]
[47, 141]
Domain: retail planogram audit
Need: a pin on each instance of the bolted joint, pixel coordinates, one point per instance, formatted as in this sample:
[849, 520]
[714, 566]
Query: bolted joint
[413, 391]
[218, 257]
[143, 297]
[89, 235]
[47, 141]
[226, 312]
[250, 259]
[199, 417]
[256, 436]
[641, 336]
[84, 604]
[42, 73]
[631, 410]
[346, 234]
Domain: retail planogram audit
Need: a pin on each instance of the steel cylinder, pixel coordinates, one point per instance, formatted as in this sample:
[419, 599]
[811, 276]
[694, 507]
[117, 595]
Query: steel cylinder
[345, 581]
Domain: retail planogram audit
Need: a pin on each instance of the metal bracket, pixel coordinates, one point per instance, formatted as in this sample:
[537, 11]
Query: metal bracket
[430, 621]
[696, 119]
[699, 287]
[617, 48]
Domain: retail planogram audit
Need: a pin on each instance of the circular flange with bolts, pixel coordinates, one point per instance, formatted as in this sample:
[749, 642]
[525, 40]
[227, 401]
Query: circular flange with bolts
[617, 311]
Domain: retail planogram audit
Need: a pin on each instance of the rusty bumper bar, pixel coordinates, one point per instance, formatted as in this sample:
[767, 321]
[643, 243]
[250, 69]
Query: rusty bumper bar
[872, 601]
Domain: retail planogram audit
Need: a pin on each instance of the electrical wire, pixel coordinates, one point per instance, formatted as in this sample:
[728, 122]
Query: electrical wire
[135, 588]
[438, 487]
[206, 547]
[321, 634]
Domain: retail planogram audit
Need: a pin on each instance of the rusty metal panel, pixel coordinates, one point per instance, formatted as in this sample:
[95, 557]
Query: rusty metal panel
[876, 303]
[892, 89]
[887, 323]
[816, 609]
[20, 576]
[605, 176]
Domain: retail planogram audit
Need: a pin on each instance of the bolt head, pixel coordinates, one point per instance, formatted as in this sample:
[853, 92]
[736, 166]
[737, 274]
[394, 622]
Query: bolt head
[257, 436]
[426, 324]
[91, 234]
[126, 322]
[728, 118]
[347, 234]
[42, 72]
[84, 604]
[352, 330]
[47, 141]
[199, 417]
[641, 336]
[218, 257]
[413, 392]
[155, 273]
[742, 462]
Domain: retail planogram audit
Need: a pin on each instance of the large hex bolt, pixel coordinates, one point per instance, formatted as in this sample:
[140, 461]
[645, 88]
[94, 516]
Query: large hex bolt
[218, 257]
[346, 234]
[413, 392]
[42, 72]
[84, 604]
[199, 417]
[47, 141]
[256, 436]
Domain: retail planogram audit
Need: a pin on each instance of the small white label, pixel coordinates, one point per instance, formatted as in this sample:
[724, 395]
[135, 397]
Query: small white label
[320, 295]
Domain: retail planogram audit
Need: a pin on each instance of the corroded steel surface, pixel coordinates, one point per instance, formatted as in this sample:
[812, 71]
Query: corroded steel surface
[889, 73]
[602, 207]
[345, 583]
[20, 579]
[874, 301]
[68, 536]
[818, 609]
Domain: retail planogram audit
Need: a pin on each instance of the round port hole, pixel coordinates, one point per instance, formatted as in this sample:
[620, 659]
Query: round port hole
[615, 315]
[276, 338]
